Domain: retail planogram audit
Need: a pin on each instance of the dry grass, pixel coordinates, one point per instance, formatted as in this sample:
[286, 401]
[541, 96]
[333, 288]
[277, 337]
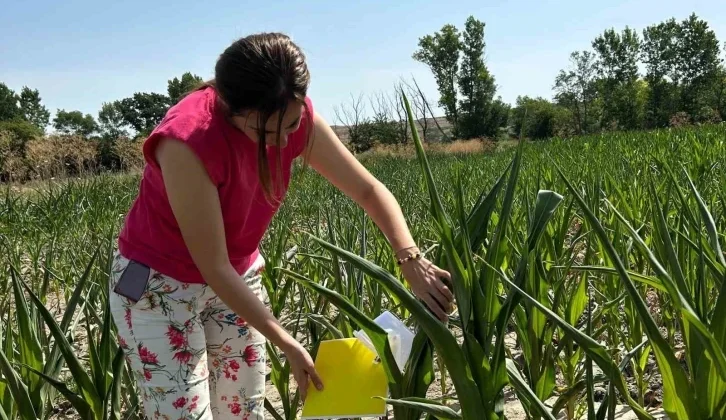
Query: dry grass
[458, 147]
[58, 156]
[71, 156]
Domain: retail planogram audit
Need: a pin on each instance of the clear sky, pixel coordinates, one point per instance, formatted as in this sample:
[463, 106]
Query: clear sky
[81, 53]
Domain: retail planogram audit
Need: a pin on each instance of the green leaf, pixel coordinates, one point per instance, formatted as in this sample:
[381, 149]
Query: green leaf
[679, 401]
[478, 219]
[77, 401]
[494, 252]
[271, 410]
[525, 393]
[419, 373]
[546, 204]
[689, 314]
[462, 278]
[83, 380]
[641, 278]
[280, 376]
[53, 367]
[323, 322]
[97, 373]
[597, 352]
[105, 349]
[661, 228]
[546, 383]
[17, 388]
[117, 365]
[577, 304]
[30, 353]
[708, 221]
[425, 406]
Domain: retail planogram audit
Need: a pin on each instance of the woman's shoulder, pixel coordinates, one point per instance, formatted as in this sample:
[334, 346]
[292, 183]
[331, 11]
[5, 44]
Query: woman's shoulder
[192, 115]
[192, 122]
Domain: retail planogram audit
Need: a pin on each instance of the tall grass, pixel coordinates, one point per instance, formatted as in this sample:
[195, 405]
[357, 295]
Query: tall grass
[601, 256]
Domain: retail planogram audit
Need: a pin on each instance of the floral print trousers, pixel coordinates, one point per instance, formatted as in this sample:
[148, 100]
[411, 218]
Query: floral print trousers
[193, 358]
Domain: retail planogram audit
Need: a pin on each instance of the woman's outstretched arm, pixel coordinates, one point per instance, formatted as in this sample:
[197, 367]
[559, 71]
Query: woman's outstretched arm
[329, 157]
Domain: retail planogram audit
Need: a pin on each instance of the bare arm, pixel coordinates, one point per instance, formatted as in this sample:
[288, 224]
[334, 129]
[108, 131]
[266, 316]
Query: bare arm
[331, 159]
[195, 203]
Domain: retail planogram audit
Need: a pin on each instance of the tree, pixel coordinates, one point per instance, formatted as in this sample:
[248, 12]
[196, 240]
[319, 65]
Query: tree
[9, 109]
[143, 111]
[419, 107]
[177, 88]
[382, 127]
[476, 85]
[719, 93]
[659, 53]
[697, 63]
[682, 69]
[441, 53]
[351, 117]
[399, 115]
[538, 118]
[111, 121]
[74, 123]
[31, 108]
[575, 90]
[618, 69]
[497, 118]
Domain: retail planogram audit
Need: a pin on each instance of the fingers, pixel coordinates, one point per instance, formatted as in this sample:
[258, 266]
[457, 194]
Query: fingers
[441, 291]
[435, 307]
[303, 377]
[444, 288]
[444, 275]
[315, 378]
[302, 383]
[441, 299]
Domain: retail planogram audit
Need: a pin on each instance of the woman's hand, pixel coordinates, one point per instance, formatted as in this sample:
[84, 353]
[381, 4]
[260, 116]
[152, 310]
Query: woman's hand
[427, 283]
[302, 368]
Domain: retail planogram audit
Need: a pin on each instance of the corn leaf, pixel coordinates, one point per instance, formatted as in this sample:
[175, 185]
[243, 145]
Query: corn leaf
[17, 388]
[77, 401]
[524, 392]
[83, 380]
[597, 352]
[28, 342]
[688, 313]
[323, 322]
[462, 278]
[115, 397]
[425, 406]
[679, 401]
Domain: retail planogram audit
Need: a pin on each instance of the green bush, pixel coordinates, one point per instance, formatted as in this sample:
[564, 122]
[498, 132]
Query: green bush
[21, 132]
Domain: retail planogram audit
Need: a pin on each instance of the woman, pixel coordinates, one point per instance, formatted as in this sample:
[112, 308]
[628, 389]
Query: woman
[186, 293]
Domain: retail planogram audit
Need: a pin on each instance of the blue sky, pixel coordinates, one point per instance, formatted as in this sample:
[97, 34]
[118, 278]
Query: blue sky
[80, 54]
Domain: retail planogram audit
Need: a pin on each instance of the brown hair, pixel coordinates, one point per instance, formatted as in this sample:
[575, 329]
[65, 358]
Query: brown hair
[263, 72]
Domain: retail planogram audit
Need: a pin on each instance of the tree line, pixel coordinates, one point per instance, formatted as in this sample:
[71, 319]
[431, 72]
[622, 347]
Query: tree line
[25, 116]
[670, 74]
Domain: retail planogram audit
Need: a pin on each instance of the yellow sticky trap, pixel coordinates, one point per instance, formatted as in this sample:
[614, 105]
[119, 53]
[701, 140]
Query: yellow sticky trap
[352, 378]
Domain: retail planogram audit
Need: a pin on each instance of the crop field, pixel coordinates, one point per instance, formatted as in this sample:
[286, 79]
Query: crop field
[588, 275]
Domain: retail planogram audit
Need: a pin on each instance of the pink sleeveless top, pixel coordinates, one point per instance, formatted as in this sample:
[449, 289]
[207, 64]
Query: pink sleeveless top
[151, 235]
